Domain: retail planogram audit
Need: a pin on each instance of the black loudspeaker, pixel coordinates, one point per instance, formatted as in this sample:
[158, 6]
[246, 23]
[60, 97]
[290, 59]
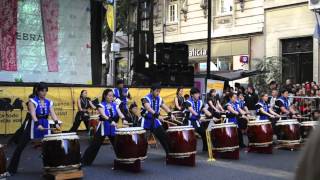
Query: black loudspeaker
[165, 53]
[172, 53]
[144, 44]
[174, 75]
[181, 54]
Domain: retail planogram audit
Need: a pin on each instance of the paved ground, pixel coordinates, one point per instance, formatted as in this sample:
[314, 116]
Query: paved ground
[278, 166]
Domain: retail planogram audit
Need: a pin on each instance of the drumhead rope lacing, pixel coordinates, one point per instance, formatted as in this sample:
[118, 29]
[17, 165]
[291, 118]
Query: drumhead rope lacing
[131, 160]
[260, 144]
[226, 149]
[290, 142]
[62, 168]
[186, 154]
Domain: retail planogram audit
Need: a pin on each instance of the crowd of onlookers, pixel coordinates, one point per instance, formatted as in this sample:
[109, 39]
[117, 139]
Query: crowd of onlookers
[304, 97]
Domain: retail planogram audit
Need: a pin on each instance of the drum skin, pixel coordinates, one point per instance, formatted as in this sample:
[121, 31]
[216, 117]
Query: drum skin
[2, 161]
[260, 132]
[224, 136]
[307, 127]
[61, 151]
[182, 140]
[288, 130]
[131, 144]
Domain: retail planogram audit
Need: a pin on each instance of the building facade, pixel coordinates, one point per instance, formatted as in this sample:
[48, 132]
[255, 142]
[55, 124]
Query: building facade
[289, 30]
[237, 30]
[253, 28]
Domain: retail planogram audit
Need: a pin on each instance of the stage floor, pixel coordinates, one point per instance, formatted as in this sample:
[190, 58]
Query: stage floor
[279, 165]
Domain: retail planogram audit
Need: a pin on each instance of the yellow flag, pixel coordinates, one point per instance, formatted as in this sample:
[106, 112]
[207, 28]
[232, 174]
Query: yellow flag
[109, 17]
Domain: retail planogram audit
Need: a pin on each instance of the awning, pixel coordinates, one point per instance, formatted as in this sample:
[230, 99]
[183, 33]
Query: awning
[233, 75]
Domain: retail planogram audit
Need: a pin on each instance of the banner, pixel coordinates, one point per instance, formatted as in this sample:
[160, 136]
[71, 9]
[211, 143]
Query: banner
[8, 29]
[50, 25]
[65, 103]
[52, 46]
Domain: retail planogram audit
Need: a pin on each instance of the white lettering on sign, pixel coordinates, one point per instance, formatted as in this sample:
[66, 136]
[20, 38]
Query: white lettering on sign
[197, 52]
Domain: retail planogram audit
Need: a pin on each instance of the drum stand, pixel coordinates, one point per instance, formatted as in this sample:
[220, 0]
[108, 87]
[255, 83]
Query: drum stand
[291, 147]
[78, 174]
[263, 150]
[185, 161]
[134, 166]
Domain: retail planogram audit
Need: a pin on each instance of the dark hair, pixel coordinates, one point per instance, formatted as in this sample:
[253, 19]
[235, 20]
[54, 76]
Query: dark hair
[210, 92]
[179, 88]
[105, 93]
[155, 86]
[133, 105]
[263, 94]
[34, 90]
[42, 86]
[284, 90]
[272, 83]
[230, 95]
[82, 91]
[186, 96]
[240, 93]
[194, 91]
[120, 81]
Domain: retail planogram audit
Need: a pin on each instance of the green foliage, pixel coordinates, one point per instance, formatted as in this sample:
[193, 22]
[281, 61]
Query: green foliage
[273, 67]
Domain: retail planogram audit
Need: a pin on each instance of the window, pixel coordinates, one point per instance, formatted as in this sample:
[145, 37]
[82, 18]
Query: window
[225, 7]
[173, 11]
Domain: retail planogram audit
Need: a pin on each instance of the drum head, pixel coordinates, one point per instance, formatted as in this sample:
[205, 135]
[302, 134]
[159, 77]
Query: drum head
[285, 122]
[95, 116]
[130, 130]
[310, 123]
[258, 122]
[52, 137]
[179, 128]
[223, 125]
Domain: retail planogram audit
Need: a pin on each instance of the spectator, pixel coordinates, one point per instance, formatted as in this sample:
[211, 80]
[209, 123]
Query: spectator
[251, 99]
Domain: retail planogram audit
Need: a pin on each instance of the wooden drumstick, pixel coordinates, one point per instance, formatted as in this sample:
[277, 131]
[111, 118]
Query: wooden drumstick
[171, 123]
[169, 118]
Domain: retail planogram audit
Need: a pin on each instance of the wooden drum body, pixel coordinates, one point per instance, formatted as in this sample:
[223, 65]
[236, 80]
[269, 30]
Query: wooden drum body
[307, 127]
[260, 135]
[130, 144]
[3, 160]
[288, 133]
[182, 145]
[225, 142]
[61, 152]
[93, 122]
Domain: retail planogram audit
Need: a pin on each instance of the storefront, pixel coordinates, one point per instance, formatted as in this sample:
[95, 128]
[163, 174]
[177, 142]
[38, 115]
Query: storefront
[230, 54]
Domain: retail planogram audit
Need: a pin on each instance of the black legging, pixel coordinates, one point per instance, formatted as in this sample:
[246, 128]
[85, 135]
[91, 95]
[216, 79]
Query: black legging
[162, 137]
[17, 135]
[93, 149]
[201, 131]
[80, 116]
[23, 141]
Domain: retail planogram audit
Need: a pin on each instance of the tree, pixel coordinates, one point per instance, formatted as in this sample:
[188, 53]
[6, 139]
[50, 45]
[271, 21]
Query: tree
[107, 34]
[273, 67]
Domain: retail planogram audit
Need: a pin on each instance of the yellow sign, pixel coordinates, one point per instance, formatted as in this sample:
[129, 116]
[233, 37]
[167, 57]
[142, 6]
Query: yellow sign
[65, 103]
[109, 17]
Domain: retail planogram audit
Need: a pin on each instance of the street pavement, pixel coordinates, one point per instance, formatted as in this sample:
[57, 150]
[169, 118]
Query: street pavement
[277, 166]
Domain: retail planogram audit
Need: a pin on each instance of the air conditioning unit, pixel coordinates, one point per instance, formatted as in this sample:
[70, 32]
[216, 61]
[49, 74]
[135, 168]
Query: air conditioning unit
[314, 4]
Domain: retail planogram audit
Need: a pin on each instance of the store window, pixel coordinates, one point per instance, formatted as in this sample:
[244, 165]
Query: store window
[173, 11]
[225, 7]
